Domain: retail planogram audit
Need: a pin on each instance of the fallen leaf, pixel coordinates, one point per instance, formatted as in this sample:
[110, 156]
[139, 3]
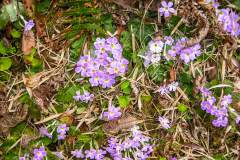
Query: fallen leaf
[28, 42]
[172, 74]
[123, 123]
[40, 26]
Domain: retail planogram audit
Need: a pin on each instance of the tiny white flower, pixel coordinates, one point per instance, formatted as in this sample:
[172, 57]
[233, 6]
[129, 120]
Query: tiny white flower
[172, 87]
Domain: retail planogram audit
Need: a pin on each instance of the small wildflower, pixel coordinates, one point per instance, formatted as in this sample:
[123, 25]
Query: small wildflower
[163, 90]
[156, 46]
[167, 9]
[85, 97]
[205, 92]
[40, 153]
[220, 122]
[62, 130]
[112, 113]
[91, 154]
[100, 154]
[168, 40]
[28, 25]
[164, 122]
[43, 131]
[77, 153]
[172, 87]
[226, 100]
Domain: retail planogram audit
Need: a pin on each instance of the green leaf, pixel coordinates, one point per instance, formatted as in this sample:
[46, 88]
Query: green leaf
[146, 98]
[123, 101]
[5, 64]
[13, 9]
[15, 33]
[125, 87]
[3, 49]
[182, 107]
[43, 6]
[84, 138]
[66, 95]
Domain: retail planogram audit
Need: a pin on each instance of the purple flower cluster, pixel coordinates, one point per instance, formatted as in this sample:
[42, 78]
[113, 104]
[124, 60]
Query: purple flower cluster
[221, 113]
[186, 54]
[113, 113]
[43, 131]
[138, 143]
[40, 153]
[105, 64]
[157, 49]
[229, 21]
[167, 9]
[85, 97]
[172, 87]
[62, 131]
[89, 154]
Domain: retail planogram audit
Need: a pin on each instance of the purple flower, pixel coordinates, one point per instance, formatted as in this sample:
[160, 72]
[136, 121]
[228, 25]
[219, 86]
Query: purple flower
[229, 20]
[22, 158]
[205, 92]
[62, 129]
[167, 9]
[99, 43]
[211, 100]
[148, 149]
[100, 154]
[222, 112]
[163, 90]
[112, 113]
[164, 122]
[114, 47]
[59, 155]
[220, 122]
[226, 100]
[168, 40]
[85, 97]
[28, 25]
[173, 158]
[61, 136]
[238, 119]
[140, 155]
[95, 80]
[91, 154]
[43, 131]
[77, 153]
[187, 55]
[156, 46]
[40, 153]
[206, 106]
[107, 81]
